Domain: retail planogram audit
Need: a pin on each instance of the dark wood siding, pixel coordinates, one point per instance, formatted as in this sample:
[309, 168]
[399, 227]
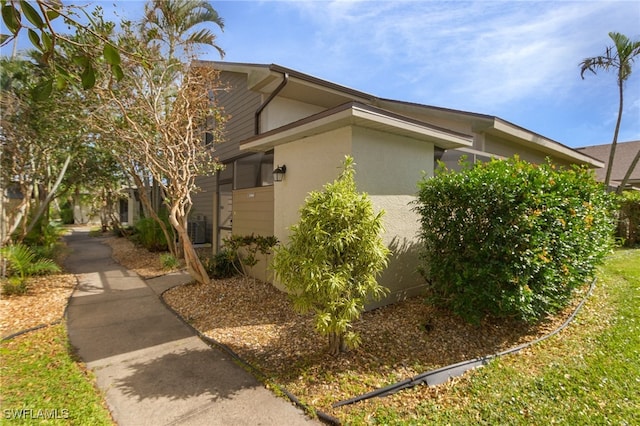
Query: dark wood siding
[240, 104]
[202, 209]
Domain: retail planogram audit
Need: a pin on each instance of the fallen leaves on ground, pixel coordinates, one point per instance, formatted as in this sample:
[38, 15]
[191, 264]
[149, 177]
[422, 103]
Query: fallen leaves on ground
[143, 262]
[257, 321]
[400, 341]
[44, 303]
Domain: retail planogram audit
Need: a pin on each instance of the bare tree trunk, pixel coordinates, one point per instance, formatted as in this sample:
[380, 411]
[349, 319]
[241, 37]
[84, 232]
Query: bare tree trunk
[192, 261]
[22, 212]
[337, 344]
[627, 175]
[169, 236]
[16, 220]
[45, 203]
[614, 143]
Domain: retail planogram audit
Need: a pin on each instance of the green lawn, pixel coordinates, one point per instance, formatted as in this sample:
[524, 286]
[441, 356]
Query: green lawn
[43, 384]
[587, 374]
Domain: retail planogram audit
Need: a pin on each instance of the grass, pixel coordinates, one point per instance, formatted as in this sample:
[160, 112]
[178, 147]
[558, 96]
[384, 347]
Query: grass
[42, 383]
[587, 374]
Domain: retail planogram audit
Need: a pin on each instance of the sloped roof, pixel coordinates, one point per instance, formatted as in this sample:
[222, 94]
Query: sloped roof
[264, 77]
[625, 152]
[363, 115]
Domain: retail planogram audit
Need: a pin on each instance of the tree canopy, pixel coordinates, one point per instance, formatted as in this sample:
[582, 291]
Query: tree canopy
[620, 58]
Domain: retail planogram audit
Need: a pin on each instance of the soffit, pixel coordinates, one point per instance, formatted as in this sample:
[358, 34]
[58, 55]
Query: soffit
[301, 87]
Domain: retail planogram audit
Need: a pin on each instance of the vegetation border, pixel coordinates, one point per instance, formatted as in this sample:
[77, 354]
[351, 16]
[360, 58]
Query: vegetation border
[441, 375]
[41, 326]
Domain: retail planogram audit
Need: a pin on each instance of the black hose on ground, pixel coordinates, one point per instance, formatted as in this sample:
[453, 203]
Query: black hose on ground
[441, 375]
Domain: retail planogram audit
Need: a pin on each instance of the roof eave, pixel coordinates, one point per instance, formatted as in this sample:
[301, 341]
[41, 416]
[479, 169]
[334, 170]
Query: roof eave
[551, 147]
[356, 114]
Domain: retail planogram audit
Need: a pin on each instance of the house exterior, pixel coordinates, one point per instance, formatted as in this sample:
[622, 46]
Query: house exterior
[625, 153]
[281, 117]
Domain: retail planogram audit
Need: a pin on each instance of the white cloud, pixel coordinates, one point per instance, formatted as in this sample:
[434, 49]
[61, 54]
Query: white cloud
[487, 53]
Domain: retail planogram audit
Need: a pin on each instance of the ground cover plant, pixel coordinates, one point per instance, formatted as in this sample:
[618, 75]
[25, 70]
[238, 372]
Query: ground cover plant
[512, 239]
[23, 262]
[43, 383]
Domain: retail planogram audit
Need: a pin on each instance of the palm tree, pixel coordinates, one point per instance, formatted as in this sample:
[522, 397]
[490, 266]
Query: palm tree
[173, 23]
[620, 57]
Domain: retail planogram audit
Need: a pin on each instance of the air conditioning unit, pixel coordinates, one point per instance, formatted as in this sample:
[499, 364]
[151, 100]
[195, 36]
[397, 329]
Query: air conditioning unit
[197, 231]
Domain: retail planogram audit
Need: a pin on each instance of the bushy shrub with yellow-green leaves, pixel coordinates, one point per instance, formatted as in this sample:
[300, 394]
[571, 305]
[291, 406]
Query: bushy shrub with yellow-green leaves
[333, 257]
[511, 239]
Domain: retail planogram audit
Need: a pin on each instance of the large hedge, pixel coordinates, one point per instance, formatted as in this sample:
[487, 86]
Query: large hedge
[511, 239]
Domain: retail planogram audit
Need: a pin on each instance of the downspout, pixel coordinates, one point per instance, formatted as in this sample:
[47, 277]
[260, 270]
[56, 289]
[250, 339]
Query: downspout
[285, 80]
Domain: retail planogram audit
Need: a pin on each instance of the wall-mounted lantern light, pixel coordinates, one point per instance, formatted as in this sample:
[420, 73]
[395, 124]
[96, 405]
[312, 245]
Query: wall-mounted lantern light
[279, 172]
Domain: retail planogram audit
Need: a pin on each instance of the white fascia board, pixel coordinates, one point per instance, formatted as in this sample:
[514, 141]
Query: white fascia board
[392, 124]
[357, 116]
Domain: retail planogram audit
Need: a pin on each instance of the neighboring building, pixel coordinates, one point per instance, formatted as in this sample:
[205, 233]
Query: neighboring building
[281, 117]
[625, 152]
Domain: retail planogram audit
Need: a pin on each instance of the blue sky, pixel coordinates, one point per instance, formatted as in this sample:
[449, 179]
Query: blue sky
[517, 60]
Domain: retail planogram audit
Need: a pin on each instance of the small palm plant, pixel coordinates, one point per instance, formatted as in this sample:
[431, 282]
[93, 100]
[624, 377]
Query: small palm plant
[23, 262]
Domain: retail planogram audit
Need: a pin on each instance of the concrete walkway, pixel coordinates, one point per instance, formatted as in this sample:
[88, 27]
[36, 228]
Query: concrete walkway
[151, 367]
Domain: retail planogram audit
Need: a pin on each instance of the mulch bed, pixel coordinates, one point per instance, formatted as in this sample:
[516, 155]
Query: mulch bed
[256, 321]
[44, 303]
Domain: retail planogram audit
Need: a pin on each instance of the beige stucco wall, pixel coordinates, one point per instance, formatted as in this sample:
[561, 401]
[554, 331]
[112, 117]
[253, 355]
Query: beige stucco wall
[281, 111]
[311, 163]
[388, 168]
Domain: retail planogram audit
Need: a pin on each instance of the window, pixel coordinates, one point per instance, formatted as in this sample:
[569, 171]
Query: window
[254, 171]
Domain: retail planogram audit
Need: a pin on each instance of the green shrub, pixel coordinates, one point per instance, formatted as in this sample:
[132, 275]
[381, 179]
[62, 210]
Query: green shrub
[149, 235]
[169, 261]
[22, 263]
[221, 265]
[244, 250]
[45, 240]
[511, 239]
[66, 213]
[333, 257]
[629, 219]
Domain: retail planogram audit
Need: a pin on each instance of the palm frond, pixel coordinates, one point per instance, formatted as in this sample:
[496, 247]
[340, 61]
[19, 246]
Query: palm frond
[24, 262]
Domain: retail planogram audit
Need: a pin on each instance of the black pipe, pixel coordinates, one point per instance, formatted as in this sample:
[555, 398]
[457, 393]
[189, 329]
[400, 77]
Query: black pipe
[441, 375]
[285, 80]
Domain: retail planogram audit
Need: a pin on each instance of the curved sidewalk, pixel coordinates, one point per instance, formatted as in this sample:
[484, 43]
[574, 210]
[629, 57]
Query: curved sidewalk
[151, 366]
